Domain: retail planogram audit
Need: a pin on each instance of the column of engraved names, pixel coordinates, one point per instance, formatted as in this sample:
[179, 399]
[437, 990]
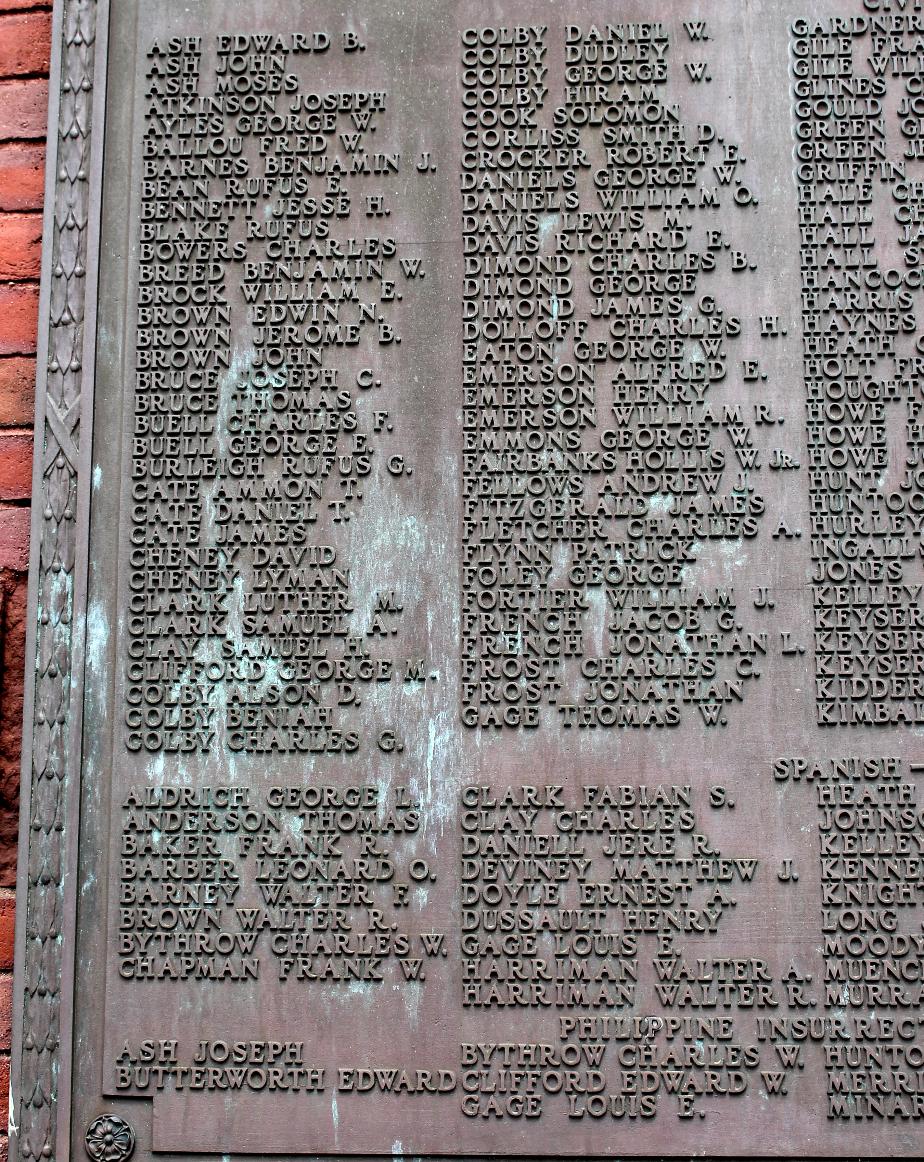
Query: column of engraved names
[522, 409]
[859, 333]
[596, 914]
[178, 581]
[319, 287]
[269, 292]
[871, 836]
[606, 455]
[267, 286]
[677, 471]
[309, 885]
[860, 305]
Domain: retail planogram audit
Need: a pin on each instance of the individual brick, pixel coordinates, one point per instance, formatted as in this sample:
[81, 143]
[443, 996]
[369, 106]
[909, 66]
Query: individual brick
[23, 109]
[18, 318]
[6, 1009]
[7, 930]
[22, 175]
[20, 246]
[4, 1091]
[15, 523]
[17, 391]
[25, 43]
[15, 465]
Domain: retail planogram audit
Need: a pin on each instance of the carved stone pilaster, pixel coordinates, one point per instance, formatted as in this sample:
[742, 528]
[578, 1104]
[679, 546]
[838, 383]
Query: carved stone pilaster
[49, 768]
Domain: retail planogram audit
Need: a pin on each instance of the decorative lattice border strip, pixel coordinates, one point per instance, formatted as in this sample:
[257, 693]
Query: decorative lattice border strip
[51, 752]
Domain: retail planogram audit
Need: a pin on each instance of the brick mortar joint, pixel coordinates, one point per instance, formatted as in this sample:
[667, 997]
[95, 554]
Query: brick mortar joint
[34, 75]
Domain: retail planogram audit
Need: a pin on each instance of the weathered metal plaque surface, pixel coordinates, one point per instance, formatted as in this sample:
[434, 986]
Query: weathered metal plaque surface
[478, 593]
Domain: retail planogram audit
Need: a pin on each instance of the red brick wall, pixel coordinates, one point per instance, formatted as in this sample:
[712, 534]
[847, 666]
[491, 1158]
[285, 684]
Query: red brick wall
[25, 32]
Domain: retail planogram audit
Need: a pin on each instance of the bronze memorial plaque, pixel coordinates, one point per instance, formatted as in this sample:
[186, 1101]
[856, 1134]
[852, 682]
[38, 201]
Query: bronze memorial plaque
[478, 589]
